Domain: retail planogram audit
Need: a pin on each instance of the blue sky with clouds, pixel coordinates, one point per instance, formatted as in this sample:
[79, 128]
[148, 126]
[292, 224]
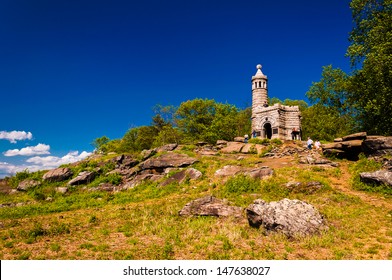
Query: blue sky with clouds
[75, 70]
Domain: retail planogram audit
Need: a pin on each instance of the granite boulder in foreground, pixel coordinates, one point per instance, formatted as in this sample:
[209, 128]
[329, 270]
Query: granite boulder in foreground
[291, 217]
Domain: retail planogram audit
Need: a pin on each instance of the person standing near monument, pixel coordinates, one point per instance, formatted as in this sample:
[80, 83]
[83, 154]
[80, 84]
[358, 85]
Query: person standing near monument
[317, 144]
[309, 143]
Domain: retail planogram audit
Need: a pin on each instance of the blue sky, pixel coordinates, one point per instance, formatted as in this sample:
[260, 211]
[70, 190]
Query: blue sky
[75, 70]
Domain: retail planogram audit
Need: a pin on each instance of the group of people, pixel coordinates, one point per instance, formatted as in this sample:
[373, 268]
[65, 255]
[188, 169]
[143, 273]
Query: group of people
[294, 134]
[309, 144]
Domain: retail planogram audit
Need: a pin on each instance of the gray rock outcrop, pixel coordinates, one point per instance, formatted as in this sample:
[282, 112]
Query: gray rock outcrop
[232, 170]
[378, 177]
[84, 177]
[352, 145]
[210, 206]
[182, 176]
[377, 146]
[168, 160]
[290, 217]
[58, 174]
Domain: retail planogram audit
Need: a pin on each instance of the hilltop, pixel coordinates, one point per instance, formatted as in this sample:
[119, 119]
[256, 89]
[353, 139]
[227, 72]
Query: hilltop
[129, 208]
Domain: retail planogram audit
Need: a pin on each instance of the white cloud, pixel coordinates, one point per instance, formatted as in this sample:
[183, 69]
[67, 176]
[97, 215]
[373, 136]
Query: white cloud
[41, 163]
[53, 162]
[40, 149]
[14, 136]
[7, 169]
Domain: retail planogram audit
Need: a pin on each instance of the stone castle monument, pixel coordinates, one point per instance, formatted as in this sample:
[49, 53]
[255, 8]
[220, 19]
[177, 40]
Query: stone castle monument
[277, 121]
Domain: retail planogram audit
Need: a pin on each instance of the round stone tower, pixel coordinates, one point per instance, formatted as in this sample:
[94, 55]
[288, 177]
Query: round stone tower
[259, 89]
[275, 121]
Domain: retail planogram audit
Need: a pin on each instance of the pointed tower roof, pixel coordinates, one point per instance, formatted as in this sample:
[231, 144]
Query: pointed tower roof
[259, 74]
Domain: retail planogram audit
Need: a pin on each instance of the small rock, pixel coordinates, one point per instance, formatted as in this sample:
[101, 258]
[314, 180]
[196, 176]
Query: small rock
[210, 206]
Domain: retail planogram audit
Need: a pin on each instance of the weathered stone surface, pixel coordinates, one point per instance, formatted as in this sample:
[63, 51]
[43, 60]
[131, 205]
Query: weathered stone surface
[232, 170]
[148, 153]
[140, 178]
[207, 152]
[355, 136]
[27, 184]
[58, 174]
[351, 144]
[210, 206]
[388, 165]
[167, 148]
[249, 149]
[168, 160]
[128, 162]
[83, 177]
[335, 145]
[291, 217]
[239, 139]
[377, 146]
[221, 142]
[228, 170]
[233, 147]
[378, 177]
[183, 175]
[259, 173]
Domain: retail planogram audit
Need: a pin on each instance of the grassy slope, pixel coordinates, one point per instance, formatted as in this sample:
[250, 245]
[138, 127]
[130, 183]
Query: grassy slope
[143, 223]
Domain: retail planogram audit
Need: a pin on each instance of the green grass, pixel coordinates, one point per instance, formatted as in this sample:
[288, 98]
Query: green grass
[143, 222]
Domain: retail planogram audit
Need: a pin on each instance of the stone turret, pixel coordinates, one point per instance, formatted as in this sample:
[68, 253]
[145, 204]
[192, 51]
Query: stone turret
[277, 121]
[259, 89]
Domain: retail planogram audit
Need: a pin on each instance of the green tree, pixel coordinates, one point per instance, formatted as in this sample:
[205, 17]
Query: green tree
[139, 138]
[365, 94]
[98, 143]
[207, 120]
[331, 90]
[168, 135]
[370, 53]
[325, 123]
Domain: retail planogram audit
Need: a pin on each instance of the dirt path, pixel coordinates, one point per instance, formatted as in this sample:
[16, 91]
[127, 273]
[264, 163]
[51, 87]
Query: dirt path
[343, 184]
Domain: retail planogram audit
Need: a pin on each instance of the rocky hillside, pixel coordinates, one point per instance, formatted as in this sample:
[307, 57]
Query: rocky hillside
[232, 200]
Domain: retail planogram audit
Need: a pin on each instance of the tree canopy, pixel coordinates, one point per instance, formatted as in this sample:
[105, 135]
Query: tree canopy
[365, 95]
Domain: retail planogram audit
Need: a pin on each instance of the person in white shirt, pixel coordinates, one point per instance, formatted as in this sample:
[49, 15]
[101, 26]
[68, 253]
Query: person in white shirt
[309, 143]
[317, 144]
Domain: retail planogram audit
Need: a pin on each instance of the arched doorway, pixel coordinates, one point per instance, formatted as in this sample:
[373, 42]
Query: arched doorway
[267, 129]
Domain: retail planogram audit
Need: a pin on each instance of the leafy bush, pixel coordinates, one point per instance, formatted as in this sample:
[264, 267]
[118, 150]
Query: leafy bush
[259, 141]
[113, 178]
[276, 141]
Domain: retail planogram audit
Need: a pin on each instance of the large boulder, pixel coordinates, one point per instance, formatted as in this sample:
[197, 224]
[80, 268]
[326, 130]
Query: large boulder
[290, 217]
[58, 174]
[355, 136]
[125, 161]
[210, 206]
[83, 177]
[378, 177]
[168, 160]
[233, 147]
[377, 146]
[252, 148]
